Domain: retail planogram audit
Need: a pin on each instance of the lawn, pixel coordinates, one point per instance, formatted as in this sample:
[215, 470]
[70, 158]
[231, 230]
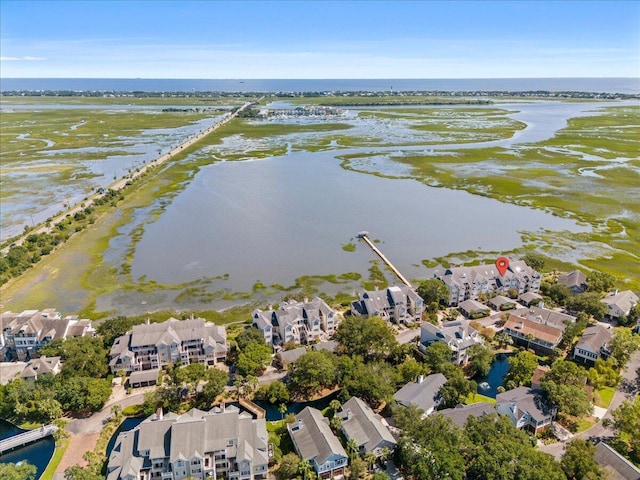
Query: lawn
[604, 397]
[55, 460]
[477, 398]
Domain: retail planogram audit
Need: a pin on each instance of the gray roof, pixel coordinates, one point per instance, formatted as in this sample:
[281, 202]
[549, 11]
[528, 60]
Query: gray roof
[529, 297]
[329, 345]
[144, 376]
[624, 300]
[373, 302]
[290, 356]
[41, 366]
[616, 466]
[178, 330]
[595, 337]
[10, 370]
[425, 395]
[500, 300]
[526, 401]
[461, 413]
[575, 280]
[360, 423]
[458, 333]
[190, 435]
[472, 306]
[43, 324]
[313, 437]
[544, 316]
[489, 272]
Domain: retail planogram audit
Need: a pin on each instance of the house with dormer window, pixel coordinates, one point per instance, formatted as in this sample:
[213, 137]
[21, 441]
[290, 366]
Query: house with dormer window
[396, 304]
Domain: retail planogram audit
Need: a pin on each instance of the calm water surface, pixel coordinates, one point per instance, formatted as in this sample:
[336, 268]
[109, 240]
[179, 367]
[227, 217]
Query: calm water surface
[38, 453]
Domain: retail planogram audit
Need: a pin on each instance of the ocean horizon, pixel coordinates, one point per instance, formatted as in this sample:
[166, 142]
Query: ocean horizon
[629, 86]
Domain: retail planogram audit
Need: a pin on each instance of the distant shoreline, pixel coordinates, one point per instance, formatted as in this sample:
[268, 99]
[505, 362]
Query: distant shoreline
[626, 86]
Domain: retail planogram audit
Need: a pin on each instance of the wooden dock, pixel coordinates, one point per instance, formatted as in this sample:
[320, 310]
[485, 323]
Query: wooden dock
[26, 438]
[365, 236]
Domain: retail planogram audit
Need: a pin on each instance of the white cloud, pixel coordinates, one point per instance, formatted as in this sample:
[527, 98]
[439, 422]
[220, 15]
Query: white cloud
[21, 59]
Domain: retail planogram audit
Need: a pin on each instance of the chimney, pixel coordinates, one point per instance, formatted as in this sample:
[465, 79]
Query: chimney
[521, 325]
[420, 378]
[299, 424]
[222, 405]
[541, 304]
[159, 413]
[270, 307]
[148, 321]
[349, 414]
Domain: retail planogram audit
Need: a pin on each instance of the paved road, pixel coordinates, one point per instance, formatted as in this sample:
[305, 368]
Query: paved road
[627, 390]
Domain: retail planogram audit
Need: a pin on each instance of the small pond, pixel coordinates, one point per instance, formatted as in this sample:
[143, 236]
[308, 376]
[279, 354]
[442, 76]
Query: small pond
[272, 413]
[494, 378]
[38, 453]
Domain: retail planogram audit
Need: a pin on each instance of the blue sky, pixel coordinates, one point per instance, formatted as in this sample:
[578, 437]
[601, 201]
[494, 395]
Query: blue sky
[319, 39]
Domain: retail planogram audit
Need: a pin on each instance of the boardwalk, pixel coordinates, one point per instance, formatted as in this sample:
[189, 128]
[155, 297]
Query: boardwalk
[26, 437]
[375, 249]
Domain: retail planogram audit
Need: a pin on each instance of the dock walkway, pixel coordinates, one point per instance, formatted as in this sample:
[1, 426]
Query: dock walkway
[25, 438]
[377, 251]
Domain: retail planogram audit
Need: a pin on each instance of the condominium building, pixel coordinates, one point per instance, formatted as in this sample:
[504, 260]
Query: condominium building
[298, 322]
[23, 334]
[222, 443]
[468, 283]
[153, 345]
[397, 304]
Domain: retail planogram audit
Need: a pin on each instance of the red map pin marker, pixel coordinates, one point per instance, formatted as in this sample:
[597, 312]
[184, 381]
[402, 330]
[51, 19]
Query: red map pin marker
[502, 264]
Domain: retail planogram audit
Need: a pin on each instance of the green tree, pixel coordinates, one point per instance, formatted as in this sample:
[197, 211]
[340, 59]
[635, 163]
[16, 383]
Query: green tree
[434, 293]
[623, 345]
[305, 469]
[503, 339]
[216, 381]
[589, 303]
[12, 471]
[564, 385]
[357, 468]
[534, 260]
[288, 466]
[626, 422]
[433, 450]
[600, 282]
[81, 356]
[380, 476]
[559, 293]
[254, 359]
[573, 330]
[457, 388]
[604, 373]
[578, 461]
[113, 328]
[481, 359]
[248, 336]
[370, 338]
[282, 409]
[312, 372]
[274, 392]
[409, 370]
[438, 356]
[521, 368]
[82, 393]
[373, 382]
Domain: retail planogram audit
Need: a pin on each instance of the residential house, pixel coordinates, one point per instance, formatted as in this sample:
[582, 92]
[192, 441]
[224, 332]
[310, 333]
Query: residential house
[221, 443]
[315, 442]
[23, 334]
[298, 322]
[41, 366]
[459, 335]
[533, 333]
[396, 304]
[593, 344]
[619, 303]
[473, 309]
[530, 299]
[144, 378]
[614, 465]
[575, 280]
[468, 283]
[526, 408]
[152, 346]
[544, 315]
[287, 357]
[461, 413]
[368, 429]
[424, 394]
[501, 303]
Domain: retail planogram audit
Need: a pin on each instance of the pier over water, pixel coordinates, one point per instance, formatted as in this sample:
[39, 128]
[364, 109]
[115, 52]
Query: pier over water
[365, 236]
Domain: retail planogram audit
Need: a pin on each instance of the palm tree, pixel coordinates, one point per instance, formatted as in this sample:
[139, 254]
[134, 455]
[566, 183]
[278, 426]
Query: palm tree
[282, 409]
[370, 458]
[529, 337]
[304, 468]
[334, 405]
[238, 383]
[385, 453]
[352, 448]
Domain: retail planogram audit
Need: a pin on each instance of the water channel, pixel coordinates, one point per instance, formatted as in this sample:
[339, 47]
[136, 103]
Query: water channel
[38, 453]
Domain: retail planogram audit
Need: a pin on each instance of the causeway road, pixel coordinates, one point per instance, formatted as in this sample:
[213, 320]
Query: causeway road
[120, 183]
